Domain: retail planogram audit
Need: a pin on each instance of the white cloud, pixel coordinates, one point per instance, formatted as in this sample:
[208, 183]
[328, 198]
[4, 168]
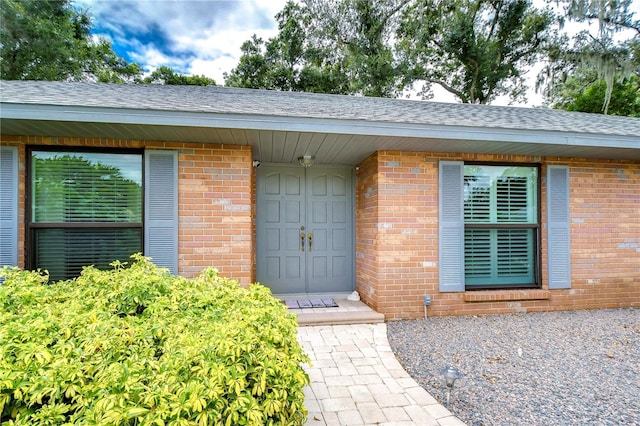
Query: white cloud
[214, 68]
[221, 48]
[191, 36]
[151, 57]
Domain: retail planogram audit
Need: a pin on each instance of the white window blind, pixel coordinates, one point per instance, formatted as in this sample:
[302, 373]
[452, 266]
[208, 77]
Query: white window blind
[500, 206]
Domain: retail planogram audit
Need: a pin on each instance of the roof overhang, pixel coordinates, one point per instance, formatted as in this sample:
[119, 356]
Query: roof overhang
[281, 139]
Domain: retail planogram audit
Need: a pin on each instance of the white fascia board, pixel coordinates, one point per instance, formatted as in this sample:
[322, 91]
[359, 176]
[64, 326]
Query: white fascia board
[311, 125]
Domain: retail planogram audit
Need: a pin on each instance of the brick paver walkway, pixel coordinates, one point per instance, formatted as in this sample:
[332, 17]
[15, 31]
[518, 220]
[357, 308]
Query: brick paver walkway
[356, 380]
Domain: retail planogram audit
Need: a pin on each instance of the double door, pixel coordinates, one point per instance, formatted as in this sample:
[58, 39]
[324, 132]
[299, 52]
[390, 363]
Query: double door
[304, 229]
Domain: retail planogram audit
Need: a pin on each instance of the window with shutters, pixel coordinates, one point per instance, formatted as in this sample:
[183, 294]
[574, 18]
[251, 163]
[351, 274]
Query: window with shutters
[85, 208]
[501, 226]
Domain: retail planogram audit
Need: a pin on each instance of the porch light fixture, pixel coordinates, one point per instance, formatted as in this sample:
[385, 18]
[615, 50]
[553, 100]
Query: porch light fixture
[451, 374]
[306, 160]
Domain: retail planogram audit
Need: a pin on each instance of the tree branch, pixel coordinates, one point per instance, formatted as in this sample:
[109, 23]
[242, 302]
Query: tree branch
[445, 86]
[393, 11]
[496, 17]
[615, 22]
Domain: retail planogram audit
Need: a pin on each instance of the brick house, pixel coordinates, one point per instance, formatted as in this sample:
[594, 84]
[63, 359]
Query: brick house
[486, 209]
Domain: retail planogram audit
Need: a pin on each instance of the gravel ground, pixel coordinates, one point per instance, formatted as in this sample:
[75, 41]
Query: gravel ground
[554, 368]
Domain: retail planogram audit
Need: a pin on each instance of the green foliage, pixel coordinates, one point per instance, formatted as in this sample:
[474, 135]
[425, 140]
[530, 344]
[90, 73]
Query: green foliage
[607, 50]
[136, 345]
[476, 50]
[588, 95]
[357, 34]
[289, 61]
[338, 46]
[166, 75]
[50, 40]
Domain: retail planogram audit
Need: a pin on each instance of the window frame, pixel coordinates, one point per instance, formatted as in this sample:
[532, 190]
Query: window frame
[31, 227]
[537, 276]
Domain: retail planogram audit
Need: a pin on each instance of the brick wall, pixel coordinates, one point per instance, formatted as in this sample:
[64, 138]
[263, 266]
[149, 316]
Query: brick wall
[397, 251]
[214, 196]
[214, 199]
[397, 227]
[403, 232]
[367, 231]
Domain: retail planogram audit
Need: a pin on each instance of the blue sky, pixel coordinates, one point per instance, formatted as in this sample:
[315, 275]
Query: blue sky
[190, 36]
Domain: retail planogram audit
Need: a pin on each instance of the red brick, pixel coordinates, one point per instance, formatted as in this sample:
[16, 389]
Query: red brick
[605, 231]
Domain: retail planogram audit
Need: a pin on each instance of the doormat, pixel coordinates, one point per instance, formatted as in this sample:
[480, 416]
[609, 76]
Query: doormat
[310, 303]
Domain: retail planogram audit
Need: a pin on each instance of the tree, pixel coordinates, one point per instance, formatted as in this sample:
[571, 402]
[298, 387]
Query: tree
[260, 67]
[288, 61]
[358, 35]
[50, 40]
[474, 49]
[610, 55]
[166, 75]
[338, 46]
[587, 93]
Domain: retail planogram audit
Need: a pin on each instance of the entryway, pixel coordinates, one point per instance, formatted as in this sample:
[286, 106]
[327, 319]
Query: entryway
[304, 229]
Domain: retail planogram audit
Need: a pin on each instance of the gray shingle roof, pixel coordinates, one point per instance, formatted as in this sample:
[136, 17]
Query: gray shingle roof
[223, 100]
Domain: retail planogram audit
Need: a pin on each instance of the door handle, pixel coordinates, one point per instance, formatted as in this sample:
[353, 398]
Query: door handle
[310, 236]
[302, 241]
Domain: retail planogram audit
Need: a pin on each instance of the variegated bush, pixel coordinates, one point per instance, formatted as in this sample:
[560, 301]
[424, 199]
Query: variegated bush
[137, 346]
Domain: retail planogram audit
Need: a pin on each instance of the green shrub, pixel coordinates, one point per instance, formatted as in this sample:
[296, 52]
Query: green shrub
[138, 346]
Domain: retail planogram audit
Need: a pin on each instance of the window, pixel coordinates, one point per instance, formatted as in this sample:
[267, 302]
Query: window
[85, 209]
[501, 226]
[489, 226]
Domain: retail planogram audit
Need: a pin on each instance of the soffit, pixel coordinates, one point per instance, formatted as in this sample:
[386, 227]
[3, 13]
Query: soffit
[285, 146]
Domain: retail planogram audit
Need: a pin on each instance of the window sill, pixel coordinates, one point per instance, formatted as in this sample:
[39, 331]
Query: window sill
[506, 295]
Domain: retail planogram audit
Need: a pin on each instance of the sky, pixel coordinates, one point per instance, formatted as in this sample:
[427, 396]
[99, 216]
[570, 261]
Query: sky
[200, 37]
[194, 37]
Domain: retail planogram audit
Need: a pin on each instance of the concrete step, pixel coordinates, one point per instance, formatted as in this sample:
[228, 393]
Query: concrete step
[347, 312]
[339, 318]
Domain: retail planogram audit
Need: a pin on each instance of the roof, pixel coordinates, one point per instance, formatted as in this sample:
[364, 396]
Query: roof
[194, 113]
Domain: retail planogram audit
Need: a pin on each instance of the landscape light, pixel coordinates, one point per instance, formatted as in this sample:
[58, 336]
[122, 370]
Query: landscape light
[451, 374]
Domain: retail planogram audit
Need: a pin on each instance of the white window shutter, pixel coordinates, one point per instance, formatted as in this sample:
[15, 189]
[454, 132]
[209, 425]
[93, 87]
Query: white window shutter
[8, 206]
[558, 227]
[161, 208]
[451, 226]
